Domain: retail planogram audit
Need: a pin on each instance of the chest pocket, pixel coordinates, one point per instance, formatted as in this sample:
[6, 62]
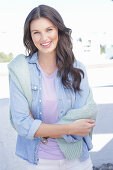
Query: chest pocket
[35, 91]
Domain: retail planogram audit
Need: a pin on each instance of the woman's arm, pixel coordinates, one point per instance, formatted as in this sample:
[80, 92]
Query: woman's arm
[27, 126]
[24, 124]
[80, 127]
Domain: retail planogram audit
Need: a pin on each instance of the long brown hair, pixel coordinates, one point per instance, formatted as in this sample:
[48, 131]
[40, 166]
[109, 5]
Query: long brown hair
[64, 55]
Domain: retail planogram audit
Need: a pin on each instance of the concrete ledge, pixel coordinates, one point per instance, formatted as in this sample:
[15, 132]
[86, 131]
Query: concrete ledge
[102, 151]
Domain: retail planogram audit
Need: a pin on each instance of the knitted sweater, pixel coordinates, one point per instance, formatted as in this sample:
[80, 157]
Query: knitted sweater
[20, 77]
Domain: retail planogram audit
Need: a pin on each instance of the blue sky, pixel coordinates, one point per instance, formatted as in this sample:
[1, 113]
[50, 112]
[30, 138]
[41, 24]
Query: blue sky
[82, 16]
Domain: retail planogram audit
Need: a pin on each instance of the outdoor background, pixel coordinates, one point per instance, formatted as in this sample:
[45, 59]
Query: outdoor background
[92, 33]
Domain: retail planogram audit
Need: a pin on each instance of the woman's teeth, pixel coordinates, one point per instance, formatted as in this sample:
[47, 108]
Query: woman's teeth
[46, 44]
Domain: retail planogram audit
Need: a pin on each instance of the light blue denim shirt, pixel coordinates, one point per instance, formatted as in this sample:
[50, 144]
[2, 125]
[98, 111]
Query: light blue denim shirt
[26, 126]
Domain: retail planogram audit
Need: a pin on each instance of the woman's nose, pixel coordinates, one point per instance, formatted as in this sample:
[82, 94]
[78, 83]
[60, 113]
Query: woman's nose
[43, 37]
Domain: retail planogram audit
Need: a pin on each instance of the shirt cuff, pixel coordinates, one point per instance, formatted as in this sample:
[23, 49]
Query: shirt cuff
[35, 125]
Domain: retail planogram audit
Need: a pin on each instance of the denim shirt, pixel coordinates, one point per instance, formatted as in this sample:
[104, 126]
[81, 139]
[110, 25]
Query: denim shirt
[26, 126]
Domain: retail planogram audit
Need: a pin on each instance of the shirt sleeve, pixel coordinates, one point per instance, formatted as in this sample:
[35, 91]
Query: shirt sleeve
[24, 124]
[80, 100]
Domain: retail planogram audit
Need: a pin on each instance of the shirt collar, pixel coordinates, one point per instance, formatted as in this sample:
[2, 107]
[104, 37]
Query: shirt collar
[34, 59]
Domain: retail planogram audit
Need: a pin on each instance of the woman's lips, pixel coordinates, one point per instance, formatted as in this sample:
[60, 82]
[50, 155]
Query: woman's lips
[46, 45]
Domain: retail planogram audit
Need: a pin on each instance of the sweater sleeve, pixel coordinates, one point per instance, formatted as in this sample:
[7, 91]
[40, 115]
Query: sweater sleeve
[24, 124]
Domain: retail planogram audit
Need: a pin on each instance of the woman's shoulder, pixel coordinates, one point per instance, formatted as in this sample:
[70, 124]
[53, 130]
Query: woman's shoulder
[80, 65]
[17, 61]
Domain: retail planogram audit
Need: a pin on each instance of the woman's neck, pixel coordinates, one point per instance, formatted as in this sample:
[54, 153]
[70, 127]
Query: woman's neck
[47, 62]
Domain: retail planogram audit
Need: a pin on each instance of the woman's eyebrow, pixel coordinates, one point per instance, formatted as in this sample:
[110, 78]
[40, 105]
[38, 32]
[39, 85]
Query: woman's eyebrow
[50, 26]
[34, 30]
[46, 28]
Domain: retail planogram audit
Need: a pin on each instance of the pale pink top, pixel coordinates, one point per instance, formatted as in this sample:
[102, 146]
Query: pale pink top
[50, 150]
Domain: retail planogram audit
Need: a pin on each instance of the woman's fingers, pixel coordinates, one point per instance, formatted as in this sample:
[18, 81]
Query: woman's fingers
[81, 127]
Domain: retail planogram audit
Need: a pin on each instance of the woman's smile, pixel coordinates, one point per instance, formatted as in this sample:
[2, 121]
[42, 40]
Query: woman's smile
[46, 44]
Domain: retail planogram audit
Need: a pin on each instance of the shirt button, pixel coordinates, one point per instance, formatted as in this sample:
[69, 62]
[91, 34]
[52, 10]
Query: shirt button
[35, 88]
[40, 113]
[40, 88]
[40, 101]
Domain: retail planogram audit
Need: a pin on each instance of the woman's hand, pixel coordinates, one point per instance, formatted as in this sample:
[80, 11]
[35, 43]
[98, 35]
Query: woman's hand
[81, 127]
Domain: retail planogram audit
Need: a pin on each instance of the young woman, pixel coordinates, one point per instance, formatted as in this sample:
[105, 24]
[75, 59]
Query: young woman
[59, 85]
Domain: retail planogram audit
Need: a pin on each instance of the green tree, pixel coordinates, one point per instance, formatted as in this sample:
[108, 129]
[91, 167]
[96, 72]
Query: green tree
[102, 49]
[6, 57]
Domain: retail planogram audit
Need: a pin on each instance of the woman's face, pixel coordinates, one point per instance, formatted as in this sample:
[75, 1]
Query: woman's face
[44, 35]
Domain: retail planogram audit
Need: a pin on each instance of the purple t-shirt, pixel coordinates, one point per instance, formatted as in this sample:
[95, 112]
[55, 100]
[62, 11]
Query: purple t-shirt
[50, 150]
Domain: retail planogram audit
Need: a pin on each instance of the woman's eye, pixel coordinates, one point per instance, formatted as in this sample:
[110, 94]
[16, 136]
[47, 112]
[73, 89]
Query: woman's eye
[49, 29]
[36, 32]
